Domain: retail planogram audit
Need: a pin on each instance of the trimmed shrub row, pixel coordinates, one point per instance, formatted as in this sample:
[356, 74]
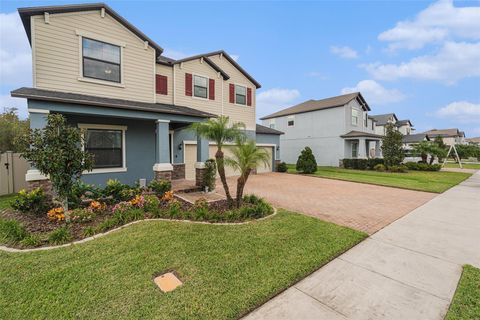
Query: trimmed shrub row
[421, 166]
[361, 164]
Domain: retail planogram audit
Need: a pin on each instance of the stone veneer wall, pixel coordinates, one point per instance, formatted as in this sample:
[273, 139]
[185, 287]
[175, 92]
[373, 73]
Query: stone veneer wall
[45, 185]
[163, 175]
[178, 171]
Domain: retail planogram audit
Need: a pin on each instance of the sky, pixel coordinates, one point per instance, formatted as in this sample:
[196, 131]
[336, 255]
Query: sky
[418, 59]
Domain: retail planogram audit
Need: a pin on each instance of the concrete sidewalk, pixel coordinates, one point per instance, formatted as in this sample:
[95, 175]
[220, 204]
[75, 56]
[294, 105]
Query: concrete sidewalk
[408, 270]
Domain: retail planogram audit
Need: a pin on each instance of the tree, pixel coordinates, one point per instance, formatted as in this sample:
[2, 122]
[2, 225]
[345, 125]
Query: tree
[442, 148]
[392, 146]
[11, 128]
[422, 149]
[56, 152]
[306, 162]
[220, 131]
[245, 157]
[426, 148]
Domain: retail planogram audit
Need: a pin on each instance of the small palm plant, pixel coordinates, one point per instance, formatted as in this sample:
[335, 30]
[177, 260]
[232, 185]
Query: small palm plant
[246, 157]
[220, 131]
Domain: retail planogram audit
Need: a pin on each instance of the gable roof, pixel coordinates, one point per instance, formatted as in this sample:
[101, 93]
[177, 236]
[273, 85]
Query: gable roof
[314, 105]
[58, 96]
[415, 138]
[400, 123]
[208, 61]
[26, 13]
[382, 119]
[452, 132]
[266, 130]
[169, 61]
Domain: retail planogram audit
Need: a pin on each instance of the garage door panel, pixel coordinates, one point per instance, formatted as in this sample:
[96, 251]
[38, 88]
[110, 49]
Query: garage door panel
[263, 167]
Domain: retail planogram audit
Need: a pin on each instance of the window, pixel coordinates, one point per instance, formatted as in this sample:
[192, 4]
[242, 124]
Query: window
[106, 145]
[101, 60]
[240, 94]
[200, 87]
[365, 119]
[290, 121]
[354, 117]
[354, 149]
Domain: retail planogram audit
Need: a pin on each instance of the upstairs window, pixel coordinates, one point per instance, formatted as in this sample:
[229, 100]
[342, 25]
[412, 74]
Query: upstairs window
[291, 121]
[365, 119]
[240, 95]
[101, 60]
[354, 117]
[200, 87]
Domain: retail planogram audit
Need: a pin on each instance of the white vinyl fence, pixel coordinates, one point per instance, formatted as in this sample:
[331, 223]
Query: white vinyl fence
[12, 172]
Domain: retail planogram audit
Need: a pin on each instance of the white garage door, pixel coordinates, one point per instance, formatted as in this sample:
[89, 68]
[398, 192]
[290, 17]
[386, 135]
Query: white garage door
[191, 158]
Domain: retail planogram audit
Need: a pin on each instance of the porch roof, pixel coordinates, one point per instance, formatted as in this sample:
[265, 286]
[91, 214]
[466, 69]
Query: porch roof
[359, 134]
[67, 97]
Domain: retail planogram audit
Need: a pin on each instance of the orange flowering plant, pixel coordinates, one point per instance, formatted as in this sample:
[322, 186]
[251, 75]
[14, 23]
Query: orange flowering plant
[56, 214]
[97, 206]
[168, 196]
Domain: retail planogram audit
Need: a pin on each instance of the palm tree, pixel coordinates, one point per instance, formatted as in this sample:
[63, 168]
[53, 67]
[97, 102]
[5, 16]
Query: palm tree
[423, 149]
[220, 131]
[246, 157]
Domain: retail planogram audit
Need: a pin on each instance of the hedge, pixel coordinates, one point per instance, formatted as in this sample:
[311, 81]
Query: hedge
[361, 164]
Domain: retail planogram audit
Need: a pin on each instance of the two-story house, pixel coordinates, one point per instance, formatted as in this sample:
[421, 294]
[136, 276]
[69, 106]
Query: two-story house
[403, 126]
[107, 77]
[334, 128]
[450, 136]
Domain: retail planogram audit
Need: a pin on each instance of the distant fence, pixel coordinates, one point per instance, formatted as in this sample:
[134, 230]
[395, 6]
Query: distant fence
[12, 172]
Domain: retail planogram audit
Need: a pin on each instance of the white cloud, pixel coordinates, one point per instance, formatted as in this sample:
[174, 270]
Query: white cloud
[344, 52]
[316, 74]
[439, 22]
[275, 99]
[461, 111]
[454, 61]
[6, 101]
[375, 93]
[15, 54]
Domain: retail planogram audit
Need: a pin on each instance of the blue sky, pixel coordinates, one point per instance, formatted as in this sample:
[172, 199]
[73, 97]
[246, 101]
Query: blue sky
[418, 59]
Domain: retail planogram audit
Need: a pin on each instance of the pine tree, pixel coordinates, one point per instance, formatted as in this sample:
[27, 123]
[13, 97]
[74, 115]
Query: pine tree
[306, 162]
[392, 147]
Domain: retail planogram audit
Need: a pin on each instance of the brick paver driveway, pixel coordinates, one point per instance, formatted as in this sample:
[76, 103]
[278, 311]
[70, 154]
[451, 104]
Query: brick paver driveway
[360, 206]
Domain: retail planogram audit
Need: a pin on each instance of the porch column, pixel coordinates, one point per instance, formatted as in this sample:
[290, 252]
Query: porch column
[202, 156]
[34, 178]
[362, 148]
[378, 149]
[162, 167]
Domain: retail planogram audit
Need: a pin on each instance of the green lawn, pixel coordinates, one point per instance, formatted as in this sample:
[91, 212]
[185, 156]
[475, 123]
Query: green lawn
[227, 270]
[438, 182]
[5, 201]
[475, 166]
[466, 302]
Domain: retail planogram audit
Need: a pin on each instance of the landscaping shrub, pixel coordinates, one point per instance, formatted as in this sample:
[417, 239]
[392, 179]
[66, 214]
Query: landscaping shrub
[306, 162]
[56, 214]
[151, 204]
[282, 167]
[420, 166]
[392, 146]
[11, 231]
[81, 190]
[35, 202]
[117, 190]
[399, 169]
[362, 164]
[209, 175]
[372, 162]
[379, 167]
[81, 215]
[31, 240]
[160, 187]
[200, 209]
[174, 209]
[89, 231]
[60, 236]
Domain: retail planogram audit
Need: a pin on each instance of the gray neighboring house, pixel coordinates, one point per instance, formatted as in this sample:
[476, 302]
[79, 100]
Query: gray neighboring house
[334, 128]
[404, 126]
[409, 141]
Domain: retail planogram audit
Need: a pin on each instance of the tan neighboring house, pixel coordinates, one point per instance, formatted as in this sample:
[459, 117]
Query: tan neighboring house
[474, 141]
[450, 136]
[106, 76]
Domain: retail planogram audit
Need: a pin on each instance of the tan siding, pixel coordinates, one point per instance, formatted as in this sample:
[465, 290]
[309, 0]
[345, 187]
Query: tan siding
[58, 52]
[202, 69]
[168, 72]
[245, 114]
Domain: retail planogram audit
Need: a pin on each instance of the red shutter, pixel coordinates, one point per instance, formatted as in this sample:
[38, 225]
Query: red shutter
[249, 96]
[232, 93]
[211, 89]
[188, 84]
[161, 86]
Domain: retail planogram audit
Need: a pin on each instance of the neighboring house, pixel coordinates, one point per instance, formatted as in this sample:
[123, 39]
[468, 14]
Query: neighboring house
[107, 77]
[450, 136]
[334, 128]
[404, 126]
[474, 141]
[409, 141]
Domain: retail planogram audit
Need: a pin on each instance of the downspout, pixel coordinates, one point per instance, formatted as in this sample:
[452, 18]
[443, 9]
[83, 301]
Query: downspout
[174, 86]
